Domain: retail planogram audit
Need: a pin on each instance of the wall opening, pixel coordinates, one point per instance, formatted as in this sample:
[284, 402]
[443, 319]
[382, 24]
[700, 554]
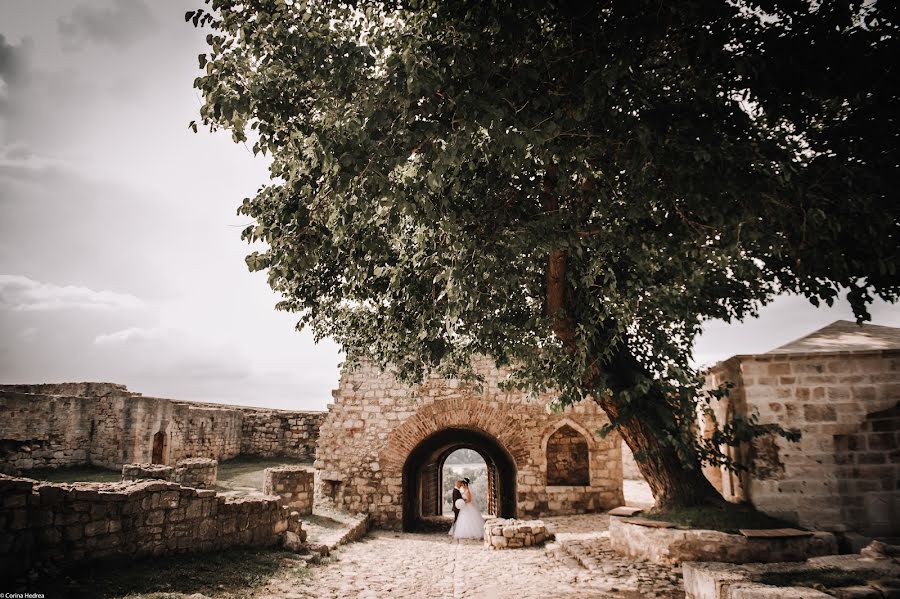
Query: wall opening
[466, 463]
[158, 455]
[423, 476]
[568, 458]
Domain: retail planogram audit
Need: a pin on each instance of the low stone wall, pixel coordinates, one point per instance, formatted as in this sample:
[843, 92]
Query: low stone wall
[715, 580]
[676, 545]
[190, 472]
[196, 472]
[509, 533]
[50, 523]
[294, 484]
[146, 472]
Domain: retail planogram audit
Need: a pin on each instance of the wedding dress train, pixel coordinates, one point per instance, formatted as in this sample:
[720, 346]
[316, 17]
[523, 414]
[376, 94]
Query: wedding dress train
[469, 524]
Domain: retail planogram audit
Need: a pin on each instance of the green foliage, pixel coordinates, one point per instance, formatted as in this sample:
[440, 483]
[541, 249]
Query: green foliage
[691, 160]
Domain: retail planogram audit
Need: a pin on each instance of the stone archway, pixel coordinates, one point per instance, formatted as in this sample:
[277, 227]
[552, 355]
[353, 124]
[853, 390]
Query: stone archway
[423, 471]
[428, 436]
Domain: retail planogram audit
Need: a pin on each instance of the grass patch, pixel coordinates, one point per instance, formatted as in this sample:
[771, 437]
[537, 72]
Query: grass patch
[729, 518]
[72, 474]
[247, 473]
[829, 578]
[235, 573]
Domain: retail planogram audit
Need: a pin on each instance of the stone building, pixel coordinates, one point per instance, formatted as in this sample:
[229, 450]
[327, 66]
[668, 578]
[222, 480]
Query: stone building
[54, 425]
[840, 386]
[382, 448]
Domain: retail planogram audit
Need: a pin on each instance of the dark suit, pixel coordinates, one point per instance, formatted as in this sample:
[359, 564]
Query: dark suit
[457, 494]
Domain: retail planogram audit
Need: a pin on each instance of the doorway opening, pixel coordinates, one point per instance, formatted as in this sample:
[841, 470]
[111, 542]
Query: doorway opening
[158, 455]
[464, 463]
[424, 474]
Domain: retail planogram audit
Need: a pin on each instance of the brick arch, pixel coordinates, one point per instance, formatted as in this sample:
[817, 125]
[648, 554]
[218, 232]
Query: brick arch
[471, 414]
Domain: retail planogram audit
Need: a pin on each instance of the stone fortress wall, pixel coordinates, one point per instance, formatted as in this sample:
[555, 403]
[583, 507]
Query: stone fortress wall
[376, 427]
[380, 446]
[844, 474]
[49, 426]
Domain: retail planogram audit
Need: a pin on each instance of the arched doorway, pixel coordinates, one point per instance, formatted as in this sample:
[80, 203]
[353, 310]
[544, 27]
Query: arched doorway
[458, 465]
[158, 455]
[423, 470]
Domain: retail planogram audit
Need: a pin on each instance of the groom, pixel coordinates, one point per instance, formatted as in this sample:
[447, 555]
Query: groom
[457, 494]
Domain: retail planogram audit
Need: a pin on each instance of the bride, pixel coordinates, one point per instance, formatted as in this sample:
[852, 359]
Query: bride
[469, 524]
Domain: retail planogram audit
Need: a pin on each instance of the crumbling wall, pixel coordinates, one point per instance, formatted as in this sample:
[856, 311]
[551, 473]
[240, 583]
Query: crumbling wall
[270, 433]
[44, 432]
[106, 425]
[44, 523]
[125, 429]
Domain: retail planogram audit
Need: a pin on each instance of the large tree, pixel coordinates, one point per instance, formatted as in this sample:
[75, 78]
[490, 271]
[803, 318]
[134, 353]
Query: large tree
[571, 188]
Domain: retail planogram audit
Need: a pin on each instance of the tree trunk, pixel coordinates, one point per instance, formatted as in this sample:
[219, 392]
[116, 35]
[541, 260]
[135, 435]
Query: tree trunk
[673, 483]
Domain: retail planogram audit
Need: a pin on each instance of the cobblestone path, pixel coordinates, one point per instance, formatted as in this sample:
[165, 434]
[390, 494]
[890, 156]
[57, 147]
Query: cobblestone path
[578, 565]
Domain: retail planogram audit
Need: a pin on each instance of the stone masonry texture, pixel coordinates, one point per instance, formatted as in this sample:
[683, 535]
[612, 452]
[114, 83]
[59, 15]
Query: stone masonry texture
[51, 523]
[844, 474]
[66, 424]
[375, 423]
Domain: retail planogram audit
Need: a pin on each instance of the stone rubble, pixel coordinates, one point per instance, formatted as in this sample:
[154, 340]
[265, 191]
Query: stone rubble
[509, 533]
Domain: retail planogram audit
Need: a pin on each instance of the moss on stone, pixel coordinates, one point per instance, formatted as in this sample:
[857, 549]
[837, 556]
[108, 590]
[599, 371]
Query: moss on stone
[829, 578]
[730, 518]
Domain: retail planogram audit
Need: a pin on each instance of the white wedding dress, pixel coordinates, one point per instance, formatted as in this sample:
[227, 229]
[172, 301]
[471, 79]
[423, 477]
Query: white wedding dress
[469, 524]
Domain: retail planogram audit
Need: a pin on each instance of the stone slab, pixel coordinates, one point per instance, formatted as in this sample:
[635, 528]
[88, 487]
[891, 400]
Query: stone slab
[625, 510]
[775, 533]
[650, 523]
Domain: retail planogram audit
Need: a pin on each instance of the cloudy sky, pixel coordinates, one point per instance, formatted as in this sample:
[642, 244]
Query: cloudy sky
[120, 250]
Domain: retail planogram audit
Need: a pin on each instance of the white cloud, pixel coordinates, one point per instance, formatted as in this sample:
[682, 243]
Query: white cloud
[16, 157]
[125, 335]
[22, 294]
[119, 25]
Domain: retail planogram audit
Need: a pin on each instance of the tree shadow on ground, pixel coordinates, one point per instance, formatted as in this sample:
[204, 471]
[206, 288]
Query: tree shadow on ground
[226, 574]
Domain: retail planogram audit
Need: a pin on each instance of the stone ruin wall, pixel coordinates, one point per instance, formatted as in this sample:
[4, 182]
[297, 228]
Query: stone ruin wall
[40, 429]
[375, 422]
[55, 432]
[125, 427]
[270, 433]
[52, 523]
[844, 474]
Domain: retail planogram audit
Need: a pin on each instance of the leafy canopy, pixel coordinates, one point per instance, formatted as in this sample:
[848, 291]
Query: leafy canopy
[688, 160]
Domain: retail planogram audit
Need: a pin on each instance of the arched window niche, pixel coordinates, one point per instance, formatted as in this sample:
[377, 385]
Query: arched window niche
[568, 457]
